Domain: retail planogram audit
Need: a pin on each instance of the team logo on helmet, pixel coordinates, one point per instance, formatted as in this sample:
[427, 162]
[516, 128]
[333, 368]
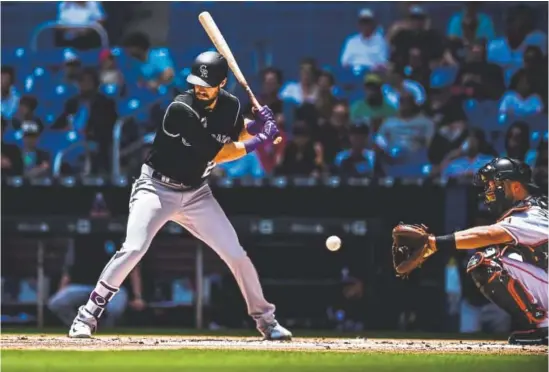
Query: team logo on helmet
[203, 71]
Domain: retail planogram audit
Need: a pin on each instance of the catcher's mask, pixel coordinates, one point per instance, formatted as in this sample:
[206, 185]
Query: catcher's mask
[498, 171]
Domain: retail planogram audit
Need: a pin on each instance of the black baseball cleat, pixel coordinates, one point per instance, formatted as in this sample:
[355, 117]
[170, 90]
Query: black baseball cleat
[536, 336]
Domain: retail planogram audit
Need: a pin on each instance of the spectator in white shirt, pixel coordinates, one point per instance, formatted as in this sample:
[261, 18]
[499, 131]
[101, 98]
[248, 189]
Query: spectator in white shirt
[475, 156]
[306, 89]
[521, 100]
[508, 51]
[368, 48]
[10, 97]
[79, 13]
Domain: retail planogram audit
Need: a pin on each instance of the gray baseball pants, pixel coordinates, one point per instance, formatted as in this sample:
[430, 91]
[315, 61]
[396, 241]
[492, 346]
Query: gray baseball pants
[152, 204]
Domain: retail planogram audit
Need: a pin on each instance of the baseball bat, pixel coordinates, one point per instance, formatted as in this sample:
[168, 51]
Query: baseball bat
[222, 47]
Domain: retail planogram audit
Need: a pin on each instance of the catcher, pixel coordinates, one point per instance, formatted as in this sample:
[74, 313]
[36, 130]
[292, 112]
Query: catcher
[510, 268]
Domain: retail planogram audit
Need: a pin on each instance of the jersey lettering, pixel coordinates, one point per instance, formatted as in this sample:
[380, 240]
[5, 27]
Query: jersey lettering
[211, 165]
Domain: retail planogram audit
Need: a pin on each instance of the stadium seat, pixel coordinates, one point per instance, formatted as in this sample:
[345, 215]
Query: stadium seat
[110, 90]
[484, 114]
[54, 141]
[442, 77]
[12, 136]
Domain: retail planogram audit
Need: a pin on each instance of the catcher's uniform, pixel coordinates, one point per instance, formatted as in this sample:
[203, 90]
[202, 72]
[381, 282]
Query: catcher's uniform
[526, 258]
[514, 276]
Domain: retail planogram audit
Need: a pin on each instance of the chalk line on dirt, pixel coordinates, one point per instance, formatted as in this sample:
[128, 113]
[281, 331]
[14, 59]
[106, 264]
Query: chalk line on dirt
[58, 342]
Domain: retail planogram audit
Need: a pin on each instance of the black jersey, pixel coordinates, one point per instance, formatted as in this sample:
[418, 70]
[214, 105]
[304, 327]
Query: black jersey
[190, 137]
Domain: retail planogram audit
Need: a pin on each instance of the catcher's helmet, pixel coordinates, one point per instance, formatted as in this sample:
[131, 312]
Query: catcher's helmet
[499, 170]
[209, 70]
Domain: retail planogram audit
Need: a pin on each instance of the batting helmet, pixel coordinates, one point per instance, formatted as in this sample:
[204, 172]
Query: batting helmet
[499, 170]
[209, 70]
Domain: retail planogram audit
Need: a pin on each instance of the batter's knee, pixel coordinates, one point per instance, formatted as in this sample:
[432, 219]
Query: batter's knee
[135, 248]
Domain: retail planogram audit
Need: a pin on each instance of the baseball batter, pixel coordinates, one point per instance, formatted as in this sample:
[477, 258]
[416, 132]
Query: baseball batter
[510, 268]
[201, 127]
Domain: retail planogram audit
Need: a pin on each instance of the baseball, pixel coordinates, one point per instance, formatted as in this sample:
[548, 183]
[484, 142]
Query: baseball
[333, 243]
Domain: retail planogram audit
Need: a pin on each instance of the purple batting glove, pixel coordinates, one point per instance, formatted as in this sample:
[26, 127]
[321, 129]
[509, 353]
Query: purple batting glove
[264, 114]
[271, 130]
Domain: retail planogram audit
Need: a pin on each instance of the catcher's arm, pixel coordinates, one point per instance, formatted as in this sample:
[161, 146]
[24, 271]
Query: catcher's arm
[473, 238]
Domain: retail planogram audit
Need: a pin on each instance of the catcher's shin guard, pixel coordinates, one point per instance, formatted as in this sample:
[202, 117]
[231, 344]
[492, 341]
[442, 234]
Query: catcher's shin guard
[495, 284]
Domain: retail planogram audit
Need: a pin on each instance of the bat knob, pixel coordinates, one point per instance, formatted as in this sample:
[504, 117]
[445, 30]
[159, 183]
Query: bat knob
[277, 140]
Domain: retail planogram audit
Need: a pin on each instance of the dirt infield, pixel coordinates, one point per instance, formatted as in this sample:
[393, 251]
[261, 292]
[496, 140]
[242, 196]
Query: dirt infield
[49, 342]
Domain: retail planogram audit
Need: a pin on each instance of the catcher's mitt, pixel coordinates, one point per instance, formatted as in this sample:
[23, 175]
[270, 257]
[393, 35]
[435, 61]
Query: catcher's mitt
[410, 247]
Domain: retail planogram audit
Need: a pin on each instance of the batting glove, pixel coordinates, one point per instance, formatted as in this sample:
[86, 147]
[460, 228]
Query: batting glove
[264, 114]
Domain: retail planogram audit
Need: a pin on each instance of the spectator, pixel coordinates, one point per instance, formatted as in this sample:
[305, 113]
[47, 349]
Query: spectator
[10, 97]
[507, 51]
[92, 114]
[473, 157]
[306, 90]
[12, 160]
[470, 24]
[536, 69]
[271, 82]
[397, 83]
[152, 67]
[78, 280]
[109, 73]
[26, 113]
[417, 69]
[368, 48]
[517, 143]
[375, 105]
[521, 100]
[326, 98]
[417, 34]
[36, 163]
[79, 13]
[540, 167]
[450, 135]
[478, 78]
[246, 166]
[332, 134]
[407, 133]
[72, 67]
[301, 157]
[357, 161]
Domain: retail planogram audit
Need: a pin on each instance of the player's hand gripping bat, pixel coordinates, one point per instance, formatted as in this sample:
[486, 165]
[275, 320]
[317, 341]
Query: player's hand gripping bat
[223, 48]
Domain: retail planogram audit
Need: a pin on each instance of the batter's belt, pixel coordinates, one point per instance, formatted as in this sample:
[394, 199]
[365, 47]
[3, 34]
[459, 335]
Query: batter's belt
[165, 180]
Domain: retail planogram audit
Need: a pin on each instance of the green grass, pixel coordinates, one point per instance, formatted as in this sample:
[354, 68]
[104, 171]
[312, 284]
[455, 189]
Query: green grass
[229, 361]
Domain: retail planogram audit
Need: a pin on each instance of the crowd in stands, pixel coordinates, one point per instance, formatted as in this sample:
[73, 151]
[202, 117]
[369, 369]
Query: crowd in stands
[413, 101]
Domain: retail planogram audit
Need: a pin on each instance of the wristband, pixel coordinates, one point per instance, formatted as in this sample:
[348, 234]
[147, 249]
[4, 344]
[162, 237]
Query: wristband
[252, 144]
[253, 127]
[445, 242]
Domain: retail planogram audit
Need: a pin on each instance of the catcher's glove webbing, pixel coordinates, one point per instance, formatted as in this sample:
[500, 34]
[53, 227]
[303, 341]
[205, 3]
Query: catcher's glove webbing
[410, 247]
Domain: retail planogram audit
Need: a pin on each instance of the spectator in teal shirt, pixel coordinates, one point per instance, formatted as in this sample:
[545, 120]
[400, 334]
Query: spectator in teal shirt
[484, 24]
[153, 67]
